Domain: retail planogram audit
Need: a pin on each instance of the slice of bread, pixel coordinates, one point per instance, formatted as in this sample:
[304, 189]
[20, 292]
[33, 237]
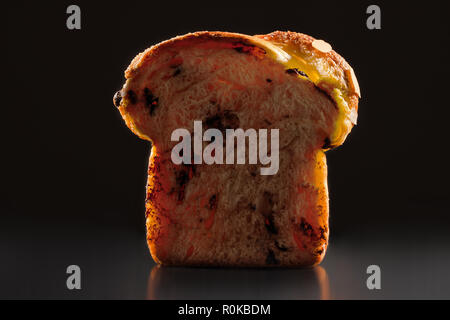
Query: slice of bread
[230, 214]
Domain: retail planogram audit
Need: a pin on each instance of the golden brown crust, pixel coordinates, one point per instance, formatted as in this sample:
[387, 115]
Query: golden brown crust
[335, 62]
[144, 57]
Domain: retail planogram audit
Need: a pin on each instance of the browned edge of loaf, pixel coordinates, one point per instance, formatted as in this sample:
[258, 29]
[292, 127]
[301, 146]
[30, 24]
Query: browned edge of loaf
[332, 58]
[300, 40]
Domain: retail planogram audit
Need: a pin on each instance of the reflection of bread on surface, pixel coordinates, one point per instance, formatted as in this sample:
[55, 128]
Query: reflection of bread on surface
[230, 215]
[237, 283]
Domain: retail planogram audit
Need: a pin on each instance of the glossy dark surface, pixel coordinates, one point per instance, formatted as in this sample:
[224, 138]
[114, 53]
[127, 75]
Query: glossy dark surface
[73, 175]
[115, 264]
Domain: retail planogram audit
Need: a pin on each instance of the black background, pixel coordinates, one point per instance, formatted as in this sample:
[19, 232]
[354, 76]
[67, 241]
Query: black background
[73, 178]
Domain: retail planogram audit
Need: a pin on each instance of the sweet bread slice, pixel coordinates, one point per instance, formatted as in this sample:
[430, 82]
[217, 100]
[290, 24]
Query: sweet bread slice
[232, 214]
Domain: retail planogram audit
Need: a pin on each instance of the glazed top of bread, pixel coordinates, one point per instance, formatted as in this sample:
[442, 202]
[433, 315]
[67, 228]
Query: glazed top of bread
[314, 58]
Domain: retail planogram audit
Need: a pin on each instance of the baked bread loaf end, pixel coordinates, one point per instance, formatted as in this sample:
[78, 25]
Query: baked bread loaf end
[232, 214]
